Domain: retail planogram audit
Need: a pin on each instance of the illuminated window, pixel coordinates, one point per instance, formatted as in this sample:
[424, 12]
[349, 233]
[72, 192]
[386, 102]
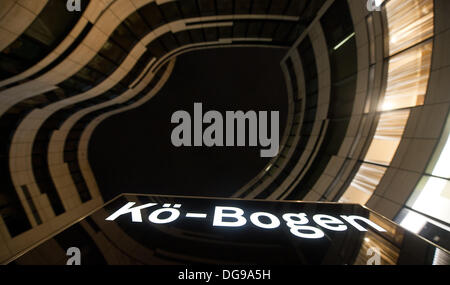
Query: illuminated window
[364, 183]
[387, 137]
[409, 22]
[408, 78]
[427, 211]
[410, 25]
[432, 197]
[432, 194]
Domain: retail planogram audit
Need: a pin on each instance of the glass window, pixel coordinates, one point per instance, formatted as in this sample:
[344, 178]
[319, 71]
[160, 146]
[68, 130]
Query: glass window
[113, 52]
[278, 7]
[224, 7]
[170, 11]
[408, 75]
[122, 36]
[364, 184]
[296, 7]
[52, 24]
[432, 197]
[387, 137]
[206, 7]
[409, 23]
[137, 25]
[426, 227]
[253, 29]
[242, 6]
[260, 7]
[432, 194]
[152, 15]
[189, 8]
[100, 64]
[183, 37]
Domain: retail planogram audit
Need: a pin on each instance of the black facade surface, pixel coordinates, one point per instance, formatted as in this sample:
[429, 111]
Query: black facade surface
[337, 25]
[306, 53]
[107, 60]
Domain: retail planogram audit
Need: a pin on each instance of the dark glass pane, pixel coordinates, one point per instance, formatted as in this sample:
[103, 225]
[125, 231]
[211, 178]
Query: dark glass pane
[169, 41]
[283, 30]
[240, 30]
[90, 75]
[197, 35]
[269, 29]
[297, 6]
[53, 23]
[337, 23]
[152, 15]
[260, 6]
[183, 37]
[113, 52]
[137, 25]
[254, 29]
[242, 6]
[123, 37]
[100, 64]
[278, 7]
[207, 7]
[189, 8]
[170, 11]
[211, 34]
[156, 48]
[225, 32]
[224, 7]
[25, 49]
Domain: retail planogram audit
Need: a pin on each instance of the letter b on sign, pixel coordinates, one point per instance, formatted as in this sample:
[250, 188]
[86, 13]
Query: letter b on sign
[75, 256]
[73, 5]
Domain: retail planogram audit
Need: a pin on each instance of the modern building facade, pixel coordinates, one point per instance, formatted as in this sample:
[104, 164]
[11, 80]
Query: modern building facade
[368, 118]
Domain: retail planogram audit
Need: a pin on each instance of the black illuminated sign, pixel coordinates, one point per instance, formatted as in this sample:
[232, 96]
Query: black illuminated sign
[153, 229]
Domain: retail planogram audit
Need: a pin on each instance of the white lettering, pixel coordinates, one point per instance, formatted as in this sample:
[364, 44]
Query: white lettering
[135, 212]
[326, 221]
[296, 221]
[274, 221]
[236, 215]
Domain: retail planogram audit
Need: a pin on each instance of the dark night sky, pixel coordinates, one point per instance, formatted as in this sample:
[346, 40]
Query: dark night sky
[132, 152]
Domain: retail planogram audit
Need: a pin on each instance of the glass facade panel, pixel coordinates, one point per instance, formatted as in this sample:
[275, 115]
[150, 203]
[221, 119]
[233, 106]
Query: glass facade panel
[432, 197]
[387, 137]
[364, 184]
[426, 227]
[409, 23]
[408, 78]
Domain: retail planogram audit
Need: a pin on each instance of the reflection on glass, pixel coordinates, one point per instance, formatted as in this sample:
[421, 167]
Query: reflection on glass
[409, 22]
[363, 185]
[425, 226]
[375, 244]
[440, 257]
[387, 137]
[408, 78]
[414, 222]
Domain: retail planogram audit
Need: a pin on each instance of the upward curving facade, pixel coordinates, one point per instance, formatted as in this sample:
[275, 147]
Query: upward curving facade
[367, 89]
